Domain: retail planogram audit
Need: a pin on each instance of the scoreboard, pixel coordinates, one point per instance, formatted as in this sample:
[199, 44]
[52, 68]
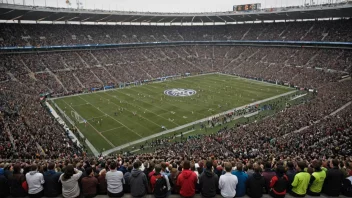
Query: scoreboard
[246, 7]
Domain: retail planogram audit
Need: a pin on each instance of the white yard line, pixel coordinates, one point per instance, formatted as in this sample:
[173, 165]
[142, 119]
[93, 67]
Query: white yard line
[112, 118]
[111, 129]
[137, 114]
[92, 127]
[107, 152]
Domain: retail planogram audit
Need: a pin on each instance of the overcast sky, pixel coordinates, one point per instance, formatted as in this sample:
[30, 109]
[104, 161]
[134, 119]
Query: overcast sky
[163, 5]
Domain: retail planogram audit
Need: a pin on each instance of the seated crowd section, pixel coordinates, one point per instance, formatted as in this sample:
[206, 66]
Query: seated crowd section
[64, 34]
[309, 142]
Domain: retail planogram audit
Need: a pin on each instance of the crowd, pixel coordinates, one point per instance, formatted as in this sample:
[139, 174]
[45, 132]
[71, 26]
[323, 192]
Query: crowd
[46, 35]
[72, 72]
[309, 139]
[184, 176]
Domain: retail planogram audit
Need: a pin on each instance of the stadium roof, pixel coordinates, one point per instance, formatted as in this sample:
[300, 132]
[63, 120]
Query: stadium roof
[17, 12]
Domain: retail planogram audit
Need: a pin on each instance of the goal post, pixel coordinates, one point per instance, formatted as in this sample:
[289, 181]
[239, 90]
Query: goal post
[77, 117]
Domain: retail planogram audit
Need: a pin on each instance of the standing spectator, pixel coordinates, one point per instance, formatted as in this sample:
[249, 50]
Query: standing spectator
[102, 184]
[115, 181]
[69, 180]
[89, 184]
[52, 186]
[138, 181]
[256, 183]
[301, 181]
[317, 179]
[4, 187]
[268, 174]
[228, 182]
[290, 174]
[347, 186]
[279, 183]
[15, 182]
[250, 170]
[35, 181]
[208, 181]
[159, 183]
[187, 180]
[242, 179]
[127, 176]
[333, 180]
[173, 181]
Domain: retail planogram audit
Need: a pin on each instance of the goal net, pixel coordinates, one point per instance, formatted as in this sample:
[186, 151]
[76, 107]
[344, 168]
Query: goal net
[77, 117]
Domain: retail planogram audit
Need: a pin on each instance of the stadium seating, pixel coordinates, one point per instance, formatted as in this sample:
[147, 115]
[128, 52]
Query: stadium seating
[307, 132]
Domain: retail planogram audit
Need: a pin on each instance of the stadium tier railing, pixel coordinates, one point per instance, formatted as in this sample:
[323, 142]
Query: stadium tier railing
[216, 42]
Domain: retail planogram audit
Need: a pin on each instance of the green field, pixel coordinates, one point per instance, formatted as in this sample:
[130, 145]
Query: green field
[146, 108]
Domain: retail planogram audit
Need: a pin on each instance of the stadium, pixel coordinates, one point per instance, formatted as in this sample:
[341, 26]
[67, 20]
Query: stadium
[250, 101]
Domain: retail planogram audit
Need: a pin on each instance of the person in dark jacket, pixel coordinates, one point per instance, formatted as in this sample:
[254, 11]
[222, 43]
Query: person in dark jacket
[89, 184]
[290, 173]
[208, 181]
[347, 186]
[16, 181]
[279, 183]
[268, 174]
[256, 184]
[4, 187]
[102, 184]
[333, 180]
[127, 176]
[52, 186]
[138, 181]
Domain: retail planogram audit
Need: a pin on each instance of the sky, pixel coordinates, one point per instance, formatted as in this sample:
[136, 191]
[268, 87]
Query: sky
[162, 5]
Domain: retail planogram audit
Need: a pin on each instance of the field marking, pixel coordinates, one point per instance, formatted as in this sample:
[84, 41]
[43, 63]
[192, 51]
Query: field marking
[137, 114]
[150, 104]
[111, 129]
[111, 144]
[107, 152]
[112, 118]
[174, 105]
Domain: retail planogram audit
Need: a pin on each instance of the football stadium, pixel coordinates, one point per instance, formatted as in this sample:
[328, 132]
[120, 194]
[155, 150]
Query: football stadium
[175, 98]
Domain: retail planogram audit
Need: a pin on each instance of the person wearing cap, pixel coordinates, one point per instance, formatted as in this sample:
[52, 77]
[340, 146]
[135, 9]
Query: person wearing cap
[228, 182]
[208, 181]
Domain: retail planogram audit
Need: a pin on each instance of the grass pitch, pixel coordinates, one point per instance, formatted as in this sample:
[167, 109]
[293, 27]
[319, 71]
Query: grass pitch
[120, 116]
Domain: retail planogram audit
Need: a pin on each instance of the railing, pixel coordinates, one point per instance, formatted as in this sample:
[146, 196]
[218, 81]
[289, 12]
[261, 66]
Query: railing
[216, 42]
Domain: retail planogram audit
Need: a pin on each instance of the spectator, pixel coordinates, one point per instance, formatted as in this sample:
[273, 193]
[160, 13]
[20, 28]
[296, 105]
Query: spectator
[208, 181]
[89, 184]
[334, 179]
[301, 181]
[290, 173]
[316, 179]
[4, 187]
[52, 186]
[69, 180]
[256, 184]
[127, 176]
[16, 181]
[138, 181]
[159, 183]
[35, 181]
[268, 174]
[347, 186]
[279, 183]
[102, 184]
[115, 181]
[228, 182]
[187, 181]
[242, 180]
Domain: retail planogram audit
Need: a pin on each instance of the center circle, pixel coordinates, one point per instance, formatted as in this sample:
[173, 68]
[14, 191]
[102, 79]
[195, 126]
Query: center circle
[178, 92]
